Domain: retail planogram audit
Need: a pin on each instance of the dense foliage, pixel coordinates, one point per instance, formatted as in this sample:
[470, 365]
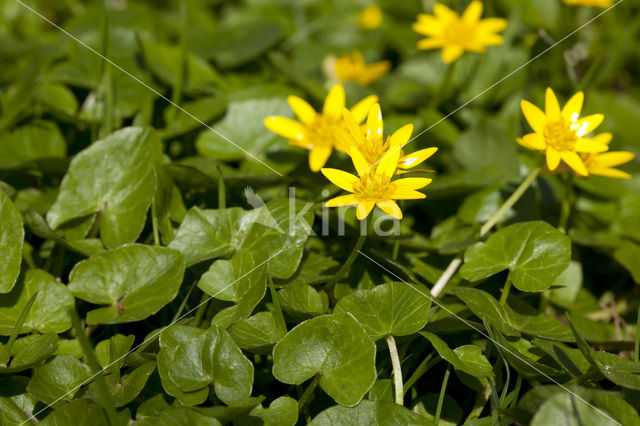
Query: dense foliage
[167, 257]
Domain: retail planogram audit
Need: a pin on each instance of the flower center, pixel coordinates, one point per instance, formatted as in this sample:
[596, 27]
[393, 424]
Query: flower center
[560, 135]
[459, 33]
[372, 186]
[319, 132]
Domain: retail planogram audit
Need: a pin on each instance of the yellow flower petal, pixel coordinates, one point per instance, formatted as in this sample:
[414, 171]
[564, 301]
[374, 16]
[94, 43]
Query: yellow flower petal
[285, 127]
[364, 208]
[343, 200]
[416, 158]
[534, 115]
[451, 53]
[391, 208]
[340, 178]
[409, 184]
[406, 194]
[430, 43]
[302, 109]
[402, 135]
[574, 161]
[614, 158]
[387, 166]
[361, 109]
[353, 126]
[552, 106]
[374, 122]
[587, 124]
[589, 145]
[603, 138]
[318, 157]
[573, 107]
[473, 13]
[609, 172]
[492, 25]
[359, 162]
[553, 159]
[334, 102]
[443, 12]
[533, 141]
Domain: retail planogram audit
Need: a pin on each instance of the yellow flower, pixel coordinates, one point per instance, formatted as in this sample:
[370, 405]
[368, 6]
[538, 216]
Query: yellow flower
[590, 3]
[455, 34]
[560, 134]
[370, 18]
[603, 164]
[314, 132]
[374, 187]
[370, 140]
[352, 67]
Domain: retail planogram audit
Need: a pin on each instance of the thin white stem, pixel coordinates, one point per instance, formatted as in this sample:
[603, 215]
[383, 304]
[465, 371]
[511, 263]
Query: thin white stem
[397, 370]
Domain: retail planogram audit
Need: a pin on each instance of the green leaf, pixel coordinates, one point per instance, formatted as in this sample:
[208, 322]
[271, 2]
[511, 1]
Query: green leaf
[397, 309]
[303, 301]
[568, 358]
[125, 389]
[467, 359]
[135, 281]
[11, 241]
[244, 125]
[112, 178]
[77, 412]
[204, 109]
[567, 286]
[381, 413]
[258, 333]
[112, 349]
[57, 379]
[280, 226]
[628, 254]
[282, 411]
[336, 347]
[180, 416]
[31, 350]
[451, 414]
[242, 43]
[535, 253]
[487, 308]
[49, 312]
[242, 280]
[34, 141]
[573, 412]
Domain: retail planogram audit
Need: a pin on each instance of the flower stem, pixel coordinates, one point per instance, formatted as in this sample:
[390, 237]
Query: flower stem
[346, 265]
[91, 359]
[306, 395]
[176, 96]
[636, 351]
[444, 86]
[450, 271]
[107, 78]
[436, 419]
[505, 290]
[567, 201]
[276, 304]
[18, 326]
[397, 370]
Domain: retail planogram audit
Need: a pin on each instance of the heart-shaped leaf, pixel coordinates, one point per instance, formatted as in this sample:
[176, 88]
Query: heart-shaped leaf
[369, 413]
[535, 253]
[334, 346]
[11, 240]
[57, 379]
[135, 281]
[113, 178]
[397, 309]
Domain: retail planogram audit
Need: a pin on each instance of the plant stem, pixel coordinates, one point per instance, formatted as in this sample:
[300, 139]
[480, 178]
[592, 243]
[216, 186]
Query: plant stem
[184, 302]
[306, 395]
[154, 223]
[202, 307]
[567, 201]
[424, 366]
[450, 271]
[176, 96]
[636, 350]
[505, 290]
[107, 78]
[397, 370]
[91, 359]
[346, 265]
[222, 190]
[20, 322]
[444, 86]
[436, 419]
[276, 303]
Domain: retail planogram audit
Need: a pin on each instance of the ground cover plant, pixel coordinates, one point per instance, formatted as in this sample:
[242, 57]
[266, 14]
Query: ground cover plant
[319, 212]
